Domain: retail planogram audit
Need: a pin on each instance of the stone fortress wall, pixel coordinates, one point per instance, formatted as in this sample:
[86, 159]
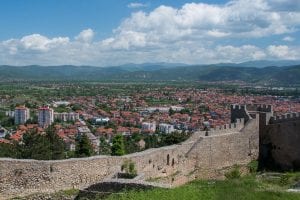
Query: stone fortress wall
[280, 140]
[203, 155]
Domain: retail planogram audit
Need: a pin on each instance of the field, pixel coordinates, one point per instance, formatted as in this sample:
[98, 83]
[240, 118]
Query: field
[267, 186]
[246, 188]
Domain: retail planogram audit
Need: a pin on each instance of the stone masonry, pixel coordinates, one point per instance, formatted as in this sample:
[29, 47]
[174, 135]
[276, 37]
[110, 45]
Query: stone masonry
[203, 155]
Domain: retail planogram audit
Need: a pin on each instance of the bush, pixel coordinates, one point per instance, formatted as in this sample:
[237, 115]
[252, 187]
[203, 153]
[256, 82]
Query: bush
[234, 173]
[253, 166]
[129, 168]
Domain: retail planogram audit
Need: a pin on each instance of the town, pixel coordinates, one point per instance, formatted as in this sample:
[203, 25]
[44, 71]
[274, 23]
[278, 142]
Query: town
[144, 117]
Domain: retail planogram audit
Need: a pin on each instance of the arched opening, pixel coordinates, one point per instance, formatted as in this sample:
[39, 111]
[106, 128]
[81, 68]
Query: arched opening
[173, 162]
[168, 159]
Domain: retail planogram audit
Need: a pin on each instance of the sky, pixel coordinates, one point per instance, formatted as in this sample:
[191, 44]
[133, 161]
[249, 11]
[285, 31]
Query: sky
[115, 32]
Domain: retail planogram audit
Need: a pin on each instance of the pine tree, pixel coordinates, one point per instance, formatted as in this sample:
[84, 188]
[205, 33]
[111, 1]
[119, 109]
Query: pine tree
[84, 148]
[34, 146]
[57, 146]
[118, 148]
[104, 148]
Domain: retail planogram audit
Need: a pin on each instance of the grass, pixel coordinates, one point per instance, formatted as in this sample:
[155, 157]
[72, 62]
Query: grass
[269, 186]
[245, 188]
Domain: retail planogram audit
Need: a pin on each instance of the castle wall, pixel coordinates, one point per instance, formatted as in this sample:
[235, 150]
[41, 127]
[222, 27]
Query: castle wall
[260, 108]
[228, 149]
[239, 112]
[281, 139]
[207, 153]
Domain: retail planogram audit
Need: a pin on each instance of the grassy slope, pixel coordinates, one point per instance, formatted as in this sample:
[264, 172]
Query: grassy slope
[246, 188]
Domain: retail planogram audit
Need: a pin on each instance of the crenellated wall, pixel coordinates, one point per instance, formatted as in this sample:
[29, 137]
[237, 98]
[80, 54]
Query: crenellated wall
[203, 155]
[280, 140]
[285, 118]
[228, 128]
[239, 112]
[260, 107]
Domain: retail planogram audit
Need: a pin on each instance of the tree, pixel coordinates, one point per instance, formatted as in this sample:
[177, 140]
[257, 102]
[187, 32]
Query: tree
[57, 146]
[34, 146]
[131, 144]
[118, 148]
[7, 122]
[151, 141]
[171, 112]
[84, 147]
[7, 150]
[104, 148]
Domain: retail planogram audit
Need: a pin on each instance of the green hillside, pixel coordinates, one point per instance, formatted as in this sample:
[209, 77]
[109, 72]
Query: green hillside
[279, 75]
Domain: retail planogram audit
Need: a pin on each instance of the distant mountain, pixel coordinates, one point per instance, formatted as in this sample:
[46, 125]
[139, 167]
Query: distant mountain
[156, 72]
[269, 63]
[149, 66]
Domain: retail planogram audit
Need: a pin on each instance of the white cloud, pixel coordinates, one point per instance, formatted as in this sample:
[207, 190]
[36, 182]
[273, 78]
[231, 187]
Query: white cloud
[135, 5]
[197, 21]
[42, 43]
[288, 39]
[86, 35]
[284, 52]
[194, 33]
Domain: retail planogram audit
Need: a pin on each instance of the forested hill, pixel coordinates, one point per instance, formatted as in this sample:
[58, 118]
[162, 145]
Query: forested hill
[280, 75]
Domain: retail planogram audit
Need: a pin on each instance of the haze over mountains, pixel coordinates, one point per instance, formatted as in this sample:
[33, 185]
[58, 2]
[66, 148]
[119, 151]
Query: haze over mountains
[280, 72]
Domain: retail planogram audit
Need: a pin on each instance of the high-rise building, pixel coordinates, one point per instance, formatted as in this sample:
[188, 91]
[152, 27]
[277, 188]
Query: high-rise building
[148, 126]
[45, 116]
[22, 114]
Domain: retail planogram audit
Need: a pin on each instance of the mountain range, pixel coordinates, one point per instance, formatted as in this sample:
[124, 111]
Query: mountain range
[278, 72]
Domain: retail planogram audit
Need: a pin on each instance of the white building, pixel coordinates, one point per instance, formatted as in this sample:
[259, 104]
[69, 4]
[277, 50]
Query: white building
[72, 116]
[166, 128]
[22, 114]
[60, 103]
[101, 120]
[177, 108]
[10, 113]
[45, 116]
[149, 126]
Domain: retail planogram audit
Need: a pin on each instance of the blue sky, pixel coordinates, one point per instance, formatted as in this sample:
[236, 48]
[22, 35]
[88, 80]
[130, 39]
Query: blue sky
[68, 17]
[112, 32]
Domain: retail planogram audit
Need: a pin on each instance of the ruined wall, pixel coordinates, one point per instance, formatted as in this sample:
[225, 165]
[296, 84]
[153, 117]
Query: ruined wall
[202, 156]
[280, 140]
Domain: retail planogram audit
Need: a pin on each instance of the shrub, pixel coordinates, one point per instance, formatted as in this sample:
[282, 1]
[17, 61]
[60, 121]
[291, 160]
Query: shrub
[129, 168]
[234, 173]
[253, 166]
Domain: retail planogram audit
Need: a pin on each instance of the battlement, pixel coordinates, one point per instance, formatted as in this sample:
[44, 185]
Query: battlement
[285, 118]
[227, 128]
[237, 107]
[239, 112]
[259, 107]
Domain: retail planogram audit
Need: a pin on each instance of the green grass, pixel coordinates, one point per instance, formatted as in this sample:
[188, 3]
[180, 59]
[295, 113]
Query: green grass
[250, 187]
[246, 188]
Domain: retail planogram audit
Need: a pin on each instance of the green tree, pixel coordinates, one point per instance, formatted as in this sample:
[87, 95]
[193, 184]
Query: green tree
[57, 146]
[104, 148]
[171, 112]
[84, 147]
[151, 141]
[118, 148]
[7, 150]
[34, 146]
[7, 122]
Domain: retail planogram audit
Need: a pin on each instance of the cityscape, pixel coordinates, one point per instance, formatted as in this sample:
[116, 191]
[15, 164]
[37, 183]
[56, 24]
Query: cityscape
[150, 99]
